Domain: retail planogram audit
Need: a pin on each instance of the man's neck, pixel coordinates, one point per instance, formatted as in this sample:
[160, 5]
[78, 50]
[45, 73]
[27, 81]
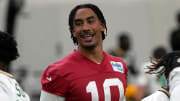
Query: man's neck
[95, 54]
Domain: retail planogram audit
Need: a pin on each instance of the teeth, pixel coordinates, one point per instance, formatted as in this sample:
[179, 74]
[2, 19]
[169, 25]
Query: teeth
[86, 34]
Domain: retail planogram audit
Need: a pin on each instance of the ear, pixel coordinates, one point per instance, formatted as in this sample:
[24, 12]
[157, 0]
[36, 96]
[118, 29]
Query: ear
[74, 35]
[72, 32]
[102, 27]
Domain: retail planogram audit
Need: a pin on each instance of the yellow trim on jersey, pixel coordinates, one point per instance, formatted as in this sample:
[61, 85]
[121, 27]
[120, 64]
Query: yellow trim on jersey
[165, 91]
[7, 74]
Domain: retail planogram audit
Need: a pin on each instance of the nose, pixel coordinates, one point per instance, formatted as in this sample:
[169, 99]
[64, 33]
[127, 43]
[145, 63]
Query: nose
[86, 26]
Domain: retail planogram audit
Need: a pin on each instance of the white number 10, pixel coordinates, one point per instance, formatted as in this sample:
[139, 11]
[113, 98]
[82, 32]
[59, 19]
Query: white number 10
[92, 88]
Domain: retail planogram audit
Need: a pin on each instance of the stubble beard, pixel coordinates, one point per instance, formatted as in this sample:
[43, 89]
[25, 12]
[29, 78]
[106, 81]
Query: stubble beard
[83, 45]
[89, 47]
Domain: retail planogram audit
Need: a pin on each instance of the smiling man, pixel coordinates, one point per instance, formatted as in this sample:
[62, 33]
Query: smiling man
[88, 73]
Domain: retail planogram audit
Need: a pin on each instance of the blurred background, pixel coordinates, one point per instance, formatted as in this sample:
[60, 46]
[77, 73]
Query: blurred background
[42, 32]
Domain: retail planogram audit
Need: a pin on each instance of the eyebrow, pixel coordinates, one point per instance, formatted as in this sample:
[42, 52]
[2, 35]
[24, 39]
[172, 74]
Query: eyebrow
[77, 20]
[88, 18]
[91, 17]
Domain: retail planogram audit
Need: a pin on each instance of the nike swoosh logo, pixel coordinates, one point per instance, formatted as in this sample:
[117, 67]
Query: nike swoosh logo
[49, 78]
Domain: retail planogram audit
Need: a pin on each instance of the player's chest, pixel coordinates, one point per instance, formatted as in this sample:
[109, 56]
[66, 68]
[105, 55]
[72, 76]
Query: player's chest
[108, 86]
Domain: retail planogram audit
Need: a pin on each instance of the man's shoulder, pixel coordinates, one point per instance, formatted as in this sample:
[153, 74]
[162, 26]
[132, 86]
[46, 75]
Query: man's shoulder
[62, 65]
[115, 58]
[6, 74]
[5, 77]
[6, 80]
[156, 96]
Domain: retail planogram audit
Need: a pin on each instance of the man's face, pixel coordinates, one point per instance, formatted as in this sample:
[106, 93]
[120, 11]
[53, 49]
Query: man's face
[87, 28]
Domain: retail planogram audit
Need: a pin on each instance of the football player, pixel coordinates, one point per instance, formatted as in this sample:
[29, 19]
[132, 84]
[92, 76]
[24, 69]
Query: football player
[10, 89]
[88, 73]
[170, 66]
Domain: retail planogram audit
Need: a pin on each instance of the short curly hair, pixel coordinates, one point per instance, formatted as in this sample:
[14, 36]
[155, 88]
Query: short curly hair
[8, 48]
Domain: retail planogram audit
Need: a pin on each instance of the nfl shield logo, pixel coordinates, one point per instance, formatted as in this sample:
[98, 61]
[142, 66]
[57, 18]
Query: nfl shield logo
[117, 66]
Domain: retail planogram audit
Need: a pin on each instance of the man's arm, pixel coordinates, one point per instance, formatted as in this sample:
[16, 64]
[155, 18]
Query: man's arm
[45, 96]
[174, 83]
[160, 95]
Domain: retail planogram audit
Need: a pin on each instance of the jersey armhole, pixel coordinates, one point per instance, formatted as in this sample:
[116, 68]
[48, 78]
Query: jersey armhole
[46, 96]
[56, 93]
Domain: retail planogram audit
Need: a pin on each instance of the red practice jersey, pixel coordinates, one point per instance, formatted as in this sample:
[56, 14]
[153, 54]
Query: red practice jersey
[79, 79]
